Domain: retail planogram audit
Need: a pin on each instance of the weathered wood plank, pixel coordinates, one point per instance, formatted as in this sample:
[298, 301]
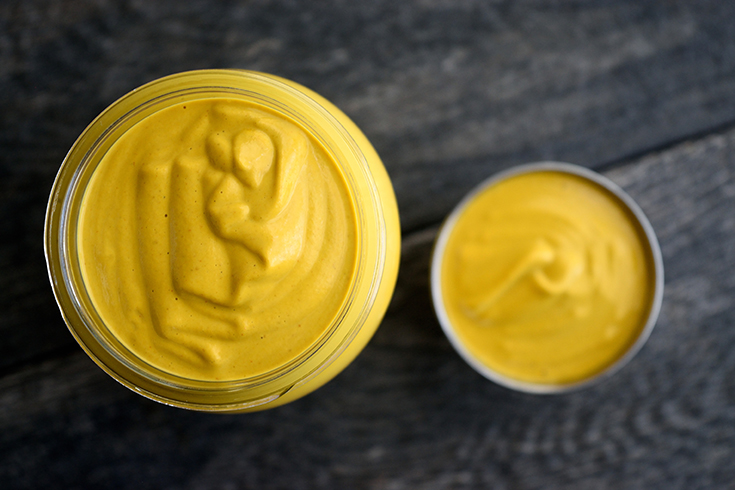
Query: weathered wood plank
[449, 92]
[408, 413]
[437, 86]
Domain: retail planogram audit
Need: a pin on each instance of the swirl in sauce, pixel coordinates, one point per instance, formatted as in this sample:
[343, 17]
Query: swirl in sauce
[546, 278]
[217, 239]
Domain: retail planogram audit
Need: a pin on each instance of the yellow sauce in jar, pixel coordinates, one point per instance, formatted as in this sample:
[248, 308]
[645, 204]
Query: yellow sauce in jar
[546, 278]
[217, 239]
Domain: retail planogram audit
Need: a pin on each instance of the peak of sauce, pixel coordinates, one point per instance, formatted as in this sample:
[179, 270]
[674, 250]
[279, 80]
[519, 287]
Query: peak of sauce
[217, 239]
[546, 278]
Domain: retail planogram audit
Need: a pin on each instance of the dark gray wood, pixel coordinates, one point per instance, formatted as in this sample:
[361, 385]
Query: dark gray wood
[449, 92]
[445, 90]
[408, 413]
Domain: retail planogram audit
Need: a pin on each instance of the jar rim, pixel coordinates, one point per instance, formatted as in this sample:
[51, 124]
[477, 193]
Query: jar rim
[126, 367]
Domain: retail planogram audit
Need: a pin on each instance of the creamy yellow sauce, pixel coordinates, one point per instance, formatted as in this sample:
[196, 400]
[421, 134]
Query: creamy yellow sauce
[546, 278]
[217, 239]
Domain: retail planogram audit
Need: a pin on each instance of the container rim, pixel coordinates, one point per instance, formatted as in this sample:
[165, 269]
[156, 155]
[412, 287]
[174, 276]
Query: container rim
[438, 256]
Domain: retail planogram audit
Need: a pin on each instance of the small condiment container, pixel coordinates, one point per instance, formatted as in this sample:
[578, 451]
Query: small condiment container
[551, 303]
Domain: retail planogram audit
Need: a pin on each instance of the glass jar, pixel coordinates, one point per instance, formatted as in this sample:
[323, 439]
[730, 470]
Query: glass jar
[377, 248]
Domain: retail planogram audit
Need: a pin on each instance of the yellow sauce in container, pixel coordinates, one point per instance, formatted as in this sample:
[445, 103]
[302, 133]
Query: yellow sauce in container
[547, 277]
[217, 240]
[222, 240]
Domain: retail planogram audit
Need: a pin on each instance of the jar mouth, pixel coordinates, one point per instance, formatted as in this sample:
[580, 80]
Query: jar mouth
[65, 274]
[648, 239]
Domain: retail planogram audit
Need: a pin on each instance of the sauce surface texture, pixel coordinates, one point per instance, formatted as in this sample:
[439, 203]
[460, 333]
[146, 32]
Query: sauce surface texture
[217, 239]
[546, 278]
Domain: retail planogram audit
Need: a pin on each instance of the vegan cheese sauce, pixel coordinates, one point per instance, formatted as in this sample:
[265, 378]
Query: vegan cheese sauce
[546, 278]
[217, 239]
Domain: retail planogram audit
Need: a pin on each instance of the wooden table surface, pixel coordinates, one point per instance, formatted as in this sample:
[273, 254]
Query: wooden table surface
[449, 92]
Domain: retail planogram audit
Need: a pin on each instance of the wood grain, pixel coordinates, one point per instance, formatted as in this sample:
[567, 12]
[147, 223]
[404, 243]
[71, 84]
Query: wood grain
[449, 92]
[408, 413]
